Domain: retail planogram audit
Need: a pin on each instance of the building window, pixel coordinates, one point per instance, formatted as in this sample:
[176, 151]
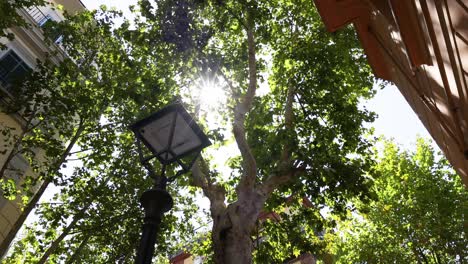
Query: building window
[12, 68]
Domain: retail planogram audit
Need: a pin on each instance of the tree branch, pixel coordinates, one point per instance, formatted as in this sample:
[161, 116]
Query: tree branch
[215, 193]
[67, 160]
[289, 125]
[199, 177]
[75, 255]
[228, 81]
[230, 11]
[65, 232]
[286, 168]
[15, 149]
[276, 180]
[79, 151]
[243, 107]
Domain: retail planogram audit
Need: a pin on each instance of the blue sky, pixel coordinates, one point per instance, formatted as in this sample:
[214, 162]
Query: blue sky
[396, 119]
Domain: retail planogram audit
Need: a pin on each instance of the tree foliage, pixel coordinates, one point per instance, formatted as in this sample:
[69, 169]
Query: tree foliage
[418, 216]
[292, 106]
[64, 106]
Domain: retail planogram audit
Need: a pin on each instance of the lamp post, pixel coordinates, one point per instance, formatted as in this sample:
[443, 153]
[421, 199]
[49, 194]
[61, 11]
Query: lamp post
[171, 136]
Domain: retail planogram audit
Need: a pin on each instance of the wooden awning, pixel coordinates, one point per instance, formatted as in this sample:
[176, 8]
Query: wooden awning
[422, 47]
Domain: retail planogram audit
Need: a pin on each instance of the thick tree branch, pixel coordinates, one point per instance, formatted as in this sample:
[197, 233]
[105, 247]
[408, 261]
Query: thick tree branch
[77, 252]
[243, 107]
[79, 151]
[228, 81]
[200, 179]
[289, 126]
[286, 169]
[215, 193]
[276, 180]
[200, 175]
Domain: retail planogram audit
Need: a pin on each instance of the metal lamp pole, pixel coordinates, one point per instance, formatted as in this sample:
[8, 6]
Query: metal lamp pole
[172, 136]
[156, 202]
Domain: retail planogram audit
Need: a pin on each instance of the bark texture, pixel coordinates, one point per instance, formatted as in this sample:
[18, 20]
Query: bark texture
[233, 227]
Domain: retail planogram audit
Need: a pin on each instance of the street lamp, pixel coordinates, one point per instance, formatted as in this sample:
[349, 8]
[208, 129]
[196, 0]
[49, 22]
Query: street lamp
[172, 136]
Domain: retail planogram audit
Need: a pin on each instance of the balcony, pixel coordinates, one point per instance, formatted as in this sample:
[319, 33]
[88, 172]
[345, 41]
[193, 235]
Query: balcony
[38, 16]
[41, 19]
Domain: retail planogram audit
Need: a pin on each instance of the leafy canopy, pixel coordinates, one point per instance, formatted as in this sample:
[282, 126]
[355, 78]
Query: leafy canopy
[293, 92]
[418, 216]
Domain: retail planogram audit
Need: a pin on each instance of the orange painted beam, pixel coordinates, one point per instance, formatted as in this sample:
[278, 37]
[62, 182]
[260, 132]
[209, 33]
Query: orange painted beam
[337, 14]
[406, 15]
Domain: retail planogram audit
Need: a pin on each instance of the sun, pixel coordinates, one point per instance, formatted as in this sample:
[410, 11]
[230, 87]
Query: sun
[211, 93]
[209, 96]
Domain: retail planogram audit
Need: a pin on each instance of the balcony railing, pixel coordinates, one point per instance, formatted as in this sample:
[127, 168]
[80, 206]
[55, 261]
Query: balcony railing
[38, 16]
[41, 20]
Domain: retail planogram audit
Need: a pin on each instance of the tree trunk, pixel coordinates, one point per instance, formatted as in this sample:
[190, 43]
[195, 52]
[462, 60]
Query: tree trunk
[233, 229]
[233, 247]
[58, 240]
[55, 244]
[14, 150]
[77, 252]
[17, 225]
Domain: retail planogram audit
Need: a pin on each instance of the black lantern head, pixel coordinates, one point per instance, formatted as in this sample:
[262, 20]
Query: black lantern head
[170, 134]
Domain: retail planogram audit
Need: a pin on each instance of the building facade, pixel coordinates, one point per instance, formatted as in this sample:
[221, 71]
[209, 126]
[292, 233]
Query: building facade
[18, 59]
[422, 47]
